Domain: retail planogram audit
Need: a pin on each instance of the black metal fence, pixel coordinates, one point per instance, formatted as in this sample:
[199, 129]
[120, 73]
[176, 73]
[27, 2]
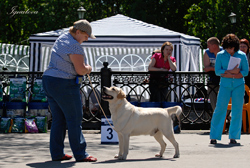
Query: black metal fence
[190, 89]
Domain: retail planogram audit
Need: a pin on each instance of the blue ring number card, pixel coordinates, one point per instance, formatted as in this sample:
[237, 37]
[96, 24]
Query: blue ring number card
[108, 134]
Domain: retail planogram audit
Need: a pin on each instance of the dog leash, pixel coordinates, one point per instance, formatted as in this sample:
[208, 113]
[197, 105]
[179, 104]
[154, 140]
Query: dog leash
[99, 102]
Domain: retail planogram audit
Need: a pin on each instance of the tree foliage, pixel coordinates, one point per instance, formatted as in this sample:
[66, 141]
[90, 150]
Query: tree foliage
[210, 18]
[51, 15]
[202, 19]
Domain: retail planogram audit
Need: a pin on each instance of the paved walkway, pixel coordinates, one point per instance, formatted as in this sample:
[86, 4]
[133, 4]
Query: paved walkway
[32, 151]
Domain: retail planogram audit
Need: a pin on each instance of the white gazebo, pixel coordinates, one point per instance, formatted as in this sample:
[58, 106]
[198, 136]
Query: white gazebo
[124, 42]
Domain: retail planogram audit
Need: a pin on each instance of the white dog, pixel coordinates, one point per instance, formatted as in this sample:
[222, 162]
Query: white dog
[130, 120]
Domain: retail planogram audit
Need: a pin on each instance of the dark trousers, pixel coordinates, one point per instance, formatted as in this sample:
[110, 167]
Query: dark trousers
[158, 93]
[65, 103]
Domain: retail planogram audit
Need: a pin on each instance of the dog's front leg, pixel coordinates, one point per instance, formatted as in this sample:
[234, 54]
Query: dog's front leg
[125, 146]
[120, 153]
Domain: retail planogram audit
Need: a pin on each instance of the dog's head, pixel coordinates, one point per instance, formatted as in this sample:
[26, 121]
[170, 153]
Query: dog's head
[113, 93]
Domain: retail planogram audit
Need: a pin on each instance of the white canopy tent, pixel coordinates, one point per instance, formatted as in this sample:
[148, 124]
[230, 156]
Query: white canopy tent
[124, 42]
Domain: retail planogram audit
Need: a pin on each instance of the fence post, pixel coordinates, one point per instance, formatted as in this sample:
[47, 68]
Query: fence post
[105, 81]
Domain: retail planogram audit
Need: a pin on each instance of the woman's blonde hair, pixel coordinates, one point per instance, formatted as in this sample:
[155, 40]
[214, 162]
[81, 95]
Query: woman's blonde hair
[72, 30]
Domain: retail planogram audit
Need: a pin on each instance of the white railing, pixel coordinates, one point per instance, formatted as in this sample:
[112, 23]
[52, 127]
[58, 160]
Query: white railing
[14, 58]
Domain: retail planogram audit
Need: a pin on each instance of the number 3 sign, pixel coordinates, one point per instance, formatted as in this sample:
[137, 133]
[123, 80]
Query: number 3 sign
[108, 135]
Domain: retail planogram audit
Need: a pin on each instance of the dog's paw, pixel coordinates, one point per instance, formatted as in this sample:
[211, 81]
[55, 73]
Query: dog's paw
[158, 155]
[176, 156]
[122, 157]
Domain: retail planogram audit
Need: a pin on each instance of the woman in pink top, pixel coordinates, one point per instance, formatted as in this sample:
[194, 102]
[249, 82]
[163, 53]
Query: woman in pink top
[161, 62]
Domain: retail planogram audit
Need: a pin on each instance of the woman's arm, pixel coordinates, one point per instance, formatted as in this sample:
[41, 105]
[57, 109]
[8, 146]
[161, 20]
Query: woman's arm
[79, 64]
[218, 65]
[151, 66]
[206, 63]
[172, 64]
[238, 72]
[234, 73]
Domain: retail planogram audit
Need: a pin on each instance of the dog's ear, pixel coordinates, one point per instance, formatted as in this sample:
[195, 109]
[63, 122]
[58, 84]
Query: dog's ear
[121, 95]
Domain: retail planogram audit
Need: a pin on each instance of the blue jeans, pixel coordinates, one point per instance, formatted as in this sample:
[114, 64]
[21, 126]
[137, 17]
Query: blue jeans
[218, 119]
[65, 104]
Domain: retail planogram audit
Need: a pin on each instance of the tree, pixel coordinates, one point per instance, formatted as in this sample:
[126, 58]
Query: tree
[210, 18]
[164, 13]
[202, 19]
[19, 19]
[56, 14]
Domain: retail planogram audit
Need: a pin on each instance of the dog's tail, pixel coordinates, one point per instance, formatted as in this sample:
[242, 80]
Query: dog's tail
[175, 110]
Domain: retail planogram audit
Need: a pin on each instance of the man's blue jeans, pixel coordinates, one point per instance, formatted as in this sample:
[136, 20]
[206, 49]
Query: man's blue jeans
[218, 119]
[65, 104]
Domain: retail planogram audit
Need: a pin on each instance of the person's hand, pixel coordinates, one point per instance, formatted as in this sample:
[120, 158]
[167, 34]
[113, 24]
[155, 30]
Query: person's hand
[89, 69]
[236, 70]
[227, 75]
[207, 69]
